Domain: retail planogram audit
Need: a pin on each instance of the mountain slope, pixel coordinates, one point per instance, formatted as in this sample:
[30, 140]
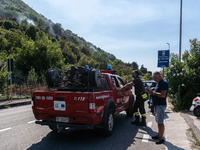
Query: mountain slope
[20, 12]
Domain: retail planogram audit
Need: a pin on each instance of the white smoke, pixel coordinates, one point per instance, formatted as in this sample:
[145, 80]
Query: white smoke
[30, 22]
[50, 28]
[22, 18]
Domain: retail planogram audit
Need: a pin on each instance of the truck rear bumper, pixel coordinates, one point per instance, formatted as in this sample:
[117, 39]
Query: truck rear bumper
[65, 125]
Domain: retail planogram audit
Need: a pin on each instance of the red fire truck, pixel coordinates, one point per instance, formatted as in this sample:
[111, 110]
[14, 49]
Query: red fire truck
[82, 98]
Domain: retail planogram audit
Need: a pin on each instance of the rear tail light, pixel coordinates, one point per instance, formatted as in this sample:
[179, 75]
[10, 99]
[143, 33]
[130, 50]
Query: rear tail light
[195, 99]
[33, 101]
[92, 105]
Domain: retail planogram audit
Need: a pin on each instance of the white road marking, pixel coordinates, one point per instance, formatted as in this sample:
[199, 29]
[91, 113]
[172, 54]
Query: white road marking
[149, 124]
[5, 129]
[145, 138]
[31, 121]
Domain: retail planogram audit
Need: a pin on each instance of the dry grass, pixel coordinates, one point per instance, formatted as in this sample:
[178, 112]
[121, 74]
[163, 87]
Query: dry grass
[26, 89]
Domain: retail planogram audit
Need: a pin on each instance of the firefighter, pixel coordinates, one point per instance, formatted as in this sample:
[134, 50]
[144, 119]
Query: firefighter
[139, 103]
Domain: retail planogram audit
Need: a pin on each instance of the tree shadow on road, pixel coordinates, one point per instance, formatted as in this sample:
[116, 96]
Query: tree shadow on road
[76, 139]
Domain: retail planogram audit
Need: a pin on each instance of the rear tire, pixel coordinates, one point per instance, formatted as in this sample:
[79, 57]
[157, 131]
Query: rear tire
[109, 125]
[196, 111]
[53, 128]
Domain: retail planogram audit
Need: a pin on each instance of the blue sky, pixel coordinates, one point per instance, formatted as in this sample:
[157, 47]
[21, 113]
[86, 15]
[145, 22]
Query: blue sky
[132, 30]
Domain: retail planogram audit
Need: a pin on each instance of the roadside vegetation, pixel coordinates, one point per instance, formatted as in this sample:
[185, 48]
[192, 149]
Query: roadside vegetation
[196, 142]
[36, 44]
[184, 77]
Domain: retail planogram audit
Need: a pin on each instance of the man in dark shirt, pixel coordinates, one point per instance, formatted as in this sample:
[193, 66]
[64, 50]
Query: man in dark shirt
[139, 103]
[160, 104]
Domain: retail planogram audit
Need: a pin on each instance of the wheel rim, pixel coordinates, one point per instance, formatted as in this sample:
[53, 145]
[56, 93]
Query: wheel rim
[110, 122]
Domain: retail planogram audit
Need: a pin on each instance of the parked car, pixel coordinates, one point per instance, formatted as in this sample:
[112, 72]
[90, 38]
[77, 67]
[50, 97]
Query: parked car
[196, 105]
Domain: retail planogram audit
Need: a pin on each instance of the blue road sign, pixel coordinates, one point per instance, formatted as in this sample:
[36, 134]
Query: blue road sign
[163, 58]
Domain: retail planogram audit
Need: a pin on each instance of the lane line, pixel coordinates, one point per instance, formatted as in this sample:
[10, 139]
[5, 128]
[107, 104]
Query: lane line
[145, 138]
[149, 124]
[31, 121]
[5, 129]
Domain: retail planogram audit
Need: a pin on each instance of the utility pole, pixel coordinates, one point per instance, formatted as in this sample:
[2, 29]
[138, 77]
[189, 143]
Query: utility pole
[180, 31]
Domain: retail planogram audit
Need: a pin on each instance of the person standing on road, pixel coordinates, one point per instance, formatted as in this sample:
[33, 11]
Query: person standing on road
[159, 101]
[139, 103]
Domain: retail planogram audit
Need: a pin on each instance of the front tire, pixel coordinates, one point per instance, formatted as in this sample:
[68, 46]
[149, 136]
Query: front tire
[129, 113]
[196, 111]
[109, 125]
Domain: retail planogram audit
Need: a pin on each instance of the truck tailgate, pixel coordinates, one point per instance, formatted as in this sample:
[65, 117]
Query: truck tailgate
[61, 103]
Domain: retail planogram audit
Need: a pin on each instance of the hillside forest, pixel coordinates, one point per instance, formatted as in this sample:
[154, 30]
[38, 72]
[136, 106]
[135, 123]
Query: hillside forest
[36, 44]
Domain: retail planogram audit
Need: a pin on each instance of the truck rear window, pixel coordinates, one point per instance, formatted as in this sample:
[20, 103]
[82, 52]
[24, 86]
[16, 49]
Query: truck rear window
[104, 84]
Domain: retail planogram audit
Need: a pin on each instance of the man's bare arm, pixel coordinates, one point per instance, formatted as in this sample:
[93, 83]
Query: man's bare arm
[128, 85]
[161, 95]
[158, 94]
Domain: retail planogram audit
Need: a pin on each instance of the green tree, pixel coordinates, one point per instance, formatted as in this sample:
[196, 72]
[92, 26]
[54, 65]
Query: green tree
[32, 77]
[134, 65]
[10, 24]
[3, 76]
[143, 70]
[101, 58]
[31, 32]
[147, 76]
[183, 76]
[84, 60]
[84, 49]
[41, 55]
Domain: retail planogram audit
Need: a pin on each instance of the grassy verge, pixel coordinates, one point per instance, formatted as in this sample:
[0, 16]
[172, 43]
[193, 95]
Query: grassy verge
[196, 141]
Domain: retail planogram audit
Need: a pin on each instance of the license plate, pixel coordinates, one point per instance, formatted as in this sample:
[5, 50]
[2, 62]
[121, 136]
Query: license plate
[62, 119]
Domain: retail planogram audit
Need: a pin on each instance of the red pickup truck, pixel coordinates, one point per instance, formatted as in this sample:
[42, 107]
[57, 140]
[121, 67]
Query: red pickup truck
[84, 98]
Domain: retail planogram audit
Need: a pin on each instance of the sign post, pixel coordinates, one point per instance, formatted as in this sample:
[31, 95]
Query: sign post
[10, 68]
[163, 59]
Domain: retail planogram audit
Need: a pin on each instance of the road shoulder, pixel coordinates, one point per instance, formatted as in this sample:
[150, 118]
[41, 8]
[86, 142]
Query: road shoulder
[176, 132]
[15, 102]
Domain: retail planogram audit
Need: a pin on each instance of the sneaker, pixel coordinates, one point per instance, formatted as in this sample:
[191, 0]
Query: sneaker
[160, 141]
[155, 137]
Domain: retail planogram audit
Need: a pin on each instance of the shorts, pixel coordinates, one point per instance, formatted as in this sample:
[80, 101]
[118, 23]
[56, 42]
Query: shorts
[159, 111]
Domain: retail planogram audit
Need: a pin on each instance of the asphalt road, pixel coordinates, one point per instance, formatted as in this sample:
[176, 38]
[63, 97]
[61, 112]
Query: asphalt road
[19, 132]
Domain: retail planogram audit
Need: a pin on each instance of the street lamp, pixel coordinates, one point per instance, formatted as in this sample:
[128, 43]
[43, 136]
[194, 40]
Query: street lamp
[180, 31]
[168, 46]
